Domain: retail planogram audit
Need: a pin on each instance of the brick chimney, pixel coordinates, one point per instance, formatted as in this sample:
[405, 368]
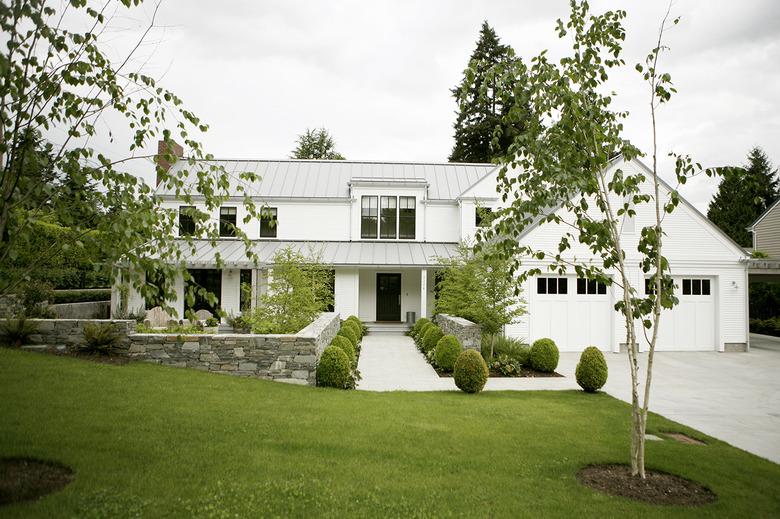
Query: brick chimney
[164, 152]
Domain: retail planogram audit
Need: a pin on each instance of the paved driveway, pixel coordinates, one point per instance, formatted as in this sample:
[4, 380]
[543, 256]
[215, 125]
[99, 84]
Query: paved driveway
[732, 396]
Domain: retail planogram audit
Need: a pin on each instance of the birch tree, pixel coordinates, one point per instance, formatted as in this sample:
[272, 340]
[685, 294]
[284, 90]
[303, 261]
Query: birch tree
[565, 172]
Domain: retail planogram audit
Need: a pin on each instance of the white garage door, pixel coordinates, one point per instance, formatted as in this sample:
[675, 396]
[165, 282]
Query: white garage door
[575, 313]
[690, 325]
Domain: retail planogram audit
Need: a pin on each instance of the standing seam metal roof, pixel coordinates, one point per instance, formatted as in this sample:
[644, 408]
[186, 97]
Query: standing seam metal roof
[330, 178]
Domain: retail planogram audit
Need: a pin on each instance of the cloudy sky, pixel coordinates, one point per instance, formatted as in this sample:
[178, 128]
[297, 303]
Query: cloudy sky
[377, 74]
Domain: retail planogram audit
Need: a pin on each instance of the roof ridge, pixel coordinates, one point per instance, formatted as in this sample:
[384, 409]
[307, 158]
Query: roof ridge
[326, 161]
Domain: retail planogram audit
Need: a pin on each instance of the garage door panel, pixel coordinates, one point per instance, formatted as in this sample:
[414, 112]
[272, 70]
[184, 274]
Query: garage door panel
[690, 325]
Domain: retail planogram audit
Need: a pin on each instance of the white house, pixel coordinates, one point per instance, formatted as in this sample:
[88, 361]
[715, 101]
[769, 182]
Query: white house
[383, 227]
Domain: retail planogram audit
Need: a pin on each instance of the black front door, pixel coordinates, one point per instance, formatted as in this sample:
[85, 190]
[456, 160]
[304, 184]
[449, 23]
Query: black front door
[388, 297]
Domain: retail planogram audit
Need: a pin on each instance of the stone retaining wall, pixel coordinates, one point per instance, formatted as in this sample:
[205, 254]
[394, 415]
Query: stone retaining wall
[288, 358]
[469, 334]
[85, 310]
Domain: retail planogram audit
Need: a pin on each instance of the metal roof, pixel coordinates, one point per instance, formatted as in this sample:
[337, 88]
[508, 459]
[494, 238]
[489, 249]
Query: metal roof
[337, 253]
[330, 178]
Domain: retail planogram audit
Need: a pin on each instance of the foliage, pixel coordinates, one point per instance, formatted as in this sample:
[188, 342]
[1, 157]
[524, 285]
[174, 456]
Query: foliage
[743, 195]
[334, 369]
[172, 329]
[417, 326]
[544, 355]
[349, 334]
[341, 342]
[591, 370]
[297, 294]
[447, 351]
[356, 328]
[17, 331]
[99, 338]
[212, 322]
[240, 323]
[764, 300]
[479, 286]
[506, 365]
[65, 75]
[480, 117]
[470, 372]
[514, 349]
[769, 326]
[421, 332]
[80, 296]
[759, 254]
[431, 338]
[35, 298]
[316, 143]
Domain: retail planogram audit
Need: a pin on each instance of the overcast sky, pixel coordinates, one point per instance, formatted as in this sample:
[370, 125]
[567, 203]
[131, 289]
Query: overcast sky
[378, 74]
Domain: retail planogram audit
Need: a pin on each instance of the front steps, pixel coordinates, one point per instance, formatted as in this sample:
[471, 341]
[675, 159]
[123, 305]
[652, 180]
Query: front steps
[396, 328]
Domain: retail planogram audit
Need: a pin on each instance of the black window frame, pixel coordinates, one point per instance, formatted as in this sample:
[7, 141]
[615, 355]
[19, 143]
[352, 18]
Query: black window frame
[591, 287]
[186, 221]
[407, 218]
[228, 220]
[269, 225]
[552, 285]
[388, 218]
[696, 287]
[369, 217]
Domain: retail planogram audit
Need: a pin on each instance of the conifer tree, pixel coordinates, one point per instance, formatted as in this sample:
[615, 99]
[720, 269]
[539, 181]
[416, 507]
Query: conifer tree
[480, 116]
[316, 143]
[743, 194]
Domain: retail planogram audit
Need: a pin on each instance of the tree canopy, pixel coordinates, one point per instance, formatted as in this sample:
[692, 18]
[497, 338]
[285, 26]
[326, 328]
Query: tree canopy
[743, 195]
[481, 108]
[316, 143]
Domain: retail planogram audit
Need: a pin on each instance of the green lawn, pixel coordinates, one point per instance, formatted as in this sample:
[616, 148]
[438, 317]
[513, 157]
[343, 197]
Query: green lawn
[151, 441]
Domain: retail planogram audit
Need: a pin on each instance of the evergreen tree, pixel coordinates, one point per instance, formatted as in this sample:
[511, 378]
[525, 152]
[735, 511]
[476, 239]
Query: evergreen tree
[483, 100]
[316, 143]
[743, 194]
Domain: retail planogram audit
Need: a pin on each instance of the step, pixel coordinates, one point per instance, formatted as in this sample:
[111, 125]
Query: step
[399, 328]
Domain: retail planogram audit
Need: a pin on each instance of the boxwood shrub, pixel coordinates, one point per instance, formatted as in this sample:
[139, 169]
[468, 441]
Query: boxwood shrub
[355, 328]
[421, 333]
[447, 350]
[341, 342]
[359, 323]
[418, 326]
[591, 370]
[350, 334]
[431, 338]
[334, 369]
[544, 355]
[471, 372]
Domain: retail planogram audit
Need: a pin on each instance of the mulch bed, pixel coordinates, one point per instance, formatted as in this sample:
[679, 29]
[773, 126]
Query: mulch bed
[658, 488]
[682, 438]
[25, 479]
[525, 373]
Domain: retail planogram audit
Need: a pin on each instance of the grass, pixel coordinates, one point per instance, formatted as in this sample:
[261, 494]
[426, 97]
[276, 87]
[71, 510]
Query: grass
[150, 441]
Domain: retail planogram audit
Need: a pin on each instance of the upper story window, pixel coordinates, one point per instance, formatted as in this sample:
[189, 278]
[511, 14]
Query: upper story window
[369, 216]
[227, 221]
[186, 221]
[388, 221]
[406, 217]
[268, 222]
[388, 217]
[552, 285]
[483, 216]
[590, 287]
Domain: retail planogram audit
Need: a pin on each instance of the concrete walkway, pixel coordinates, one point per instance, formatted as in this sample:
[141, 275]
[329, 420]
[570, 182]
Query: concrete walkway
[734, 397]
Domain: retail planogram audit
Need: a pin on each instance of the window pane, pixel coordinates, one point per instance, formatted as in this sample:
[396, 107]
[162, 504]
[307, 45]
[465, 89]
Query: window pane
[227, 221]
[592, 286]
[552, 286]
[186, 222]
[696, 289]
[406, 214]
[705, 287]
[268, 222]
[686, 287]
[602, 288]
[388, 218]
[563, 286]
[581, 288]
[369, 217]
[541, 286]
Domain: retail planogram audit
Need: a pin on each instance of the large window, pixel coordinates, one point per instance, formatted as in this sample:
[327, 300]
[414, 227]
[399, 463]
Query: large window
[227, 221]
[268, 222]
[209, 280]
[186, 222]
[590, 287]
[369, 215]
[388, 217]
[552, 285]
[406, 217]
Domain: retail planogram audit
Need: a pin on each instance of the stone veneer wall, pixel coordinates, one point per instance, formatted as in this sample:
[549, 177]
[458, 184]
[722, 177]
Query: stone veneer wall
[288, 358]
[469, 334]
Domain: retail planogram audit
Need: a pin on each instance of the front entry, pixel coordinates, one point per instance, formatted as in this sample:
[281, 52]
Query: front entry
[388, 297]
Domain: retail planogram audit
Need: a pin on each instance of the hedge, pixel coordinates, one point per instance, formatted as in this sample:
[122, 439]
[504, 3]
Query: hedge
[81, 296]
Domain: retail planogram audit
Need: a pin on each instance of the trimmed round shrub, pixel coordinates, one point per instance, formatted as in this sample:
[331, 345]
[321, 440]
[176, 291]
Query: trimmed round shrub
[418, 325]
[350, 334]
[341, 342]
[591, 370]
[544, 355]
[471, 372]
[431, 338]
[421, 332]
[334, 369]
[355, 328]
[361, 327]
[447, 350]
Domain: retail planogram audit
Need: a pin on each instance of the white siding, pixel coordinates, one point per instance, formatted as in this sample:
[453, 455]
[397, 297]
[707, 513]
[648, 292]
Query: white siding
[442, 222]
[766, 235]
[230, 299]
[346, 292]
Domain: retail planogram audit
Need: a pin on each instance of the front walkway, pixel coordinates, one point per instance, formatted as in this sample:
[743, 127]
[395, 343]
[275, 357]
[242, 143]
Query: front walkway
[734, 397]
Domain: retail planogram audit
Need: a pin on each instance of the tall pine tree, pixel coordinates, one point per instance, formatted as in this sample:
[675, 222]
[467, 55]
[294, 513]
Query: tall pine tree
[743, 194]
[478, 114]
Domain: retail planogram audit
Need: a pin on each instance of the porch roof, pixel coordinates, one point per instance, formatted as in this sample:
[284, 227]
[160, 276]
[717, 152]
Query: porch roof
[337, 253]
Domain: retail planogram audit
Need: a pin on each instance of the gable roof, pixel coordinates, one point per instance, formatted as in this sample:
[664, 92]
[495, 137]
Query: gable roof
[296, 178]
[763, 215]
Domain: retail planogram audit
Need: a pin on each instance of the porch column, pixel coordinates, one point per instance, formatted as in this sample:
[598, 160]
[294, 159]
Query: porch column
[423, 293]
